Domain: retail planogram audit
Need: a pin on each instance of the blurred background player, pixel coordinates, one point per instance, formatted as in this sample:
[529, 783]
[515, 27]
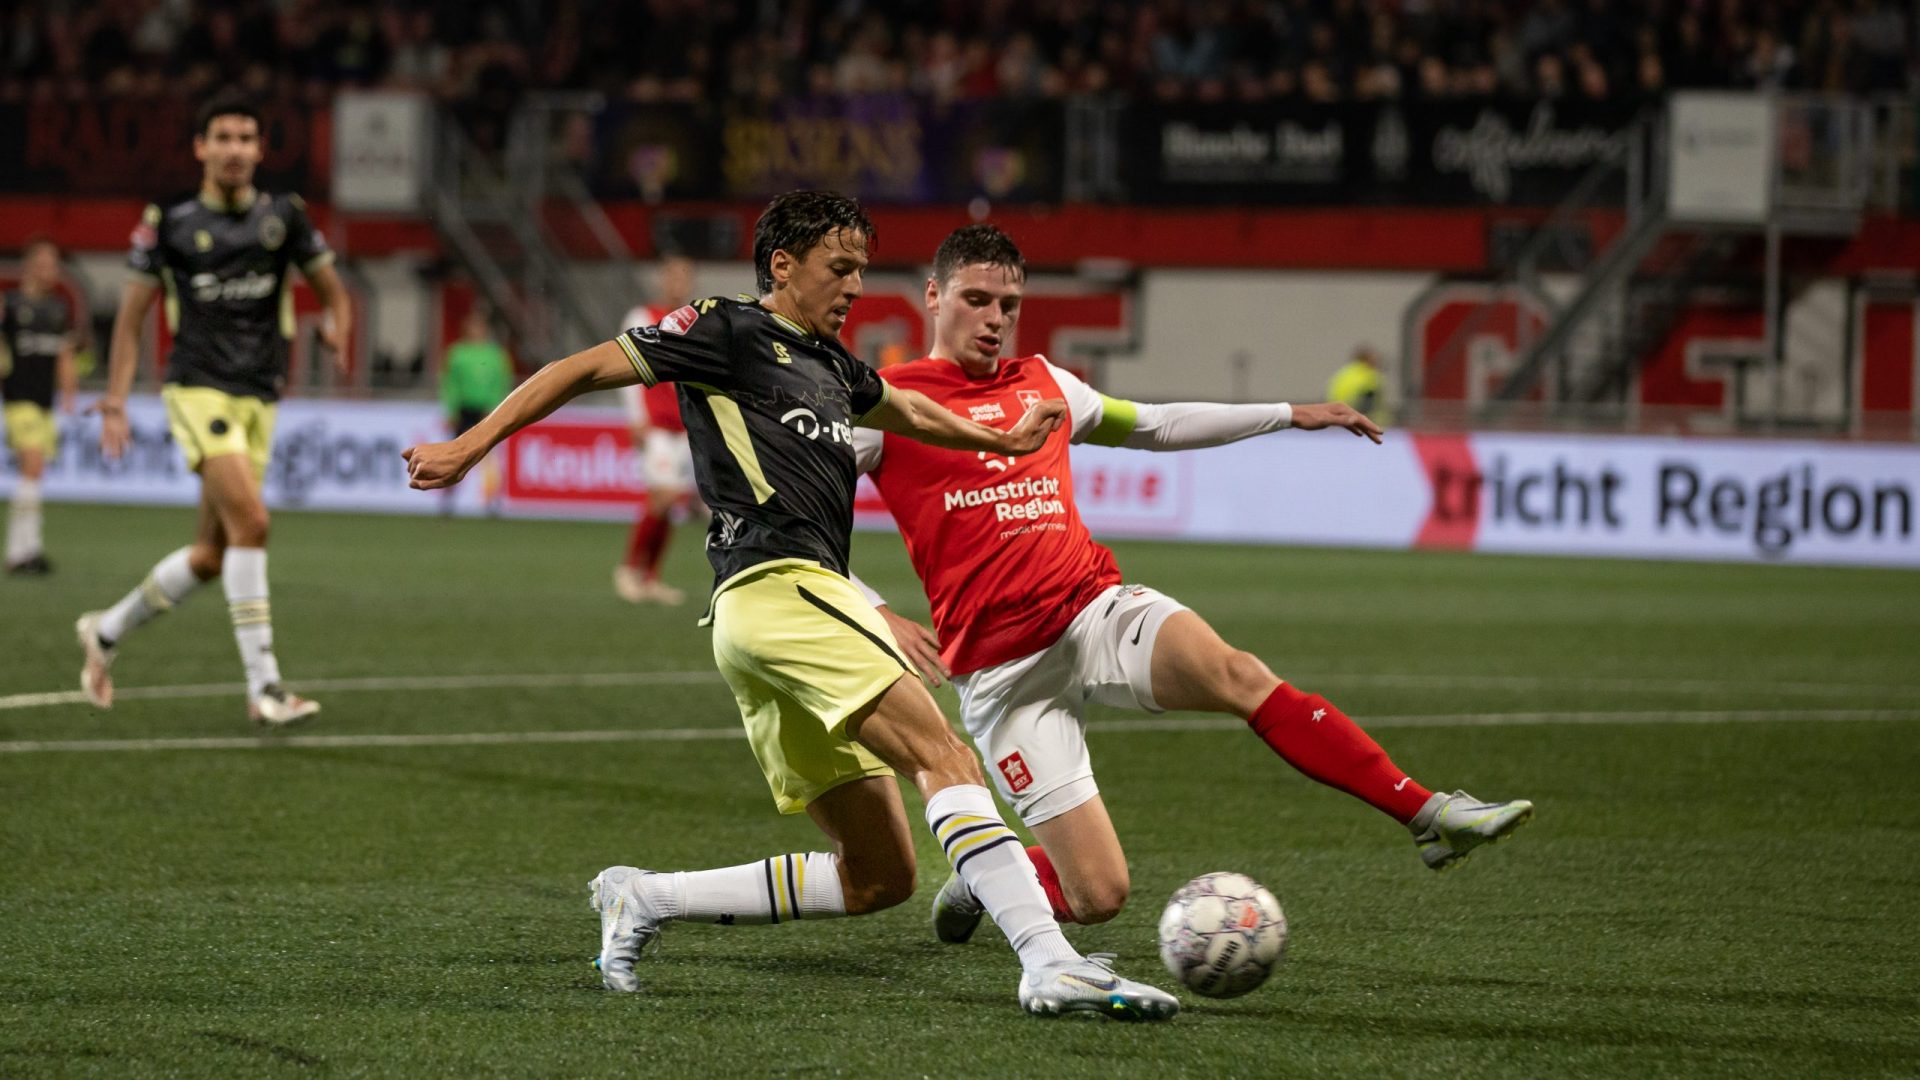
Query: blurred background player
[1357, 383]
[1036, 622]
[476, 378]
[660, 437]
[829, 703]
[223, 255]
[36, 354]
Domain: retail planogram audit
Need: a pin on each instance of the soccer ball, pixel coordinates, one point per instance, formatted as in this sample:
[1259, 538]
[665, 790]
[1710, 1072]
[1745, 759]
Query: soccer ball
[1222, 934]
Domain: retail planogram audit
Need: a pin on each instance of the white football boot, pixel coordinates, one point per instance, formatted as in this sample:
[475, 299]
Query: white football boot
[628, 924]
[96, 675]
[1089, 985]
[1450, 826]
[276, 707]
[956, 912]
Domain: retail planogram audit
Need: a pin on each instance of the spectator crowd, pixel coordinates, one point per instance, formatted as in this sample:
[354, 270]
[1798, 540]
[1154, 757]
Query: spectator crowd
[732, 50]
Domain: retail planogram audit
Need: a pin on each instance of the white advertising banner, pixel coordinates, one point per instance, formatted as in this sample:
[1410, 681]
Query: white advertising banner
[382, 141]
[1720, 157]
[1621, 496]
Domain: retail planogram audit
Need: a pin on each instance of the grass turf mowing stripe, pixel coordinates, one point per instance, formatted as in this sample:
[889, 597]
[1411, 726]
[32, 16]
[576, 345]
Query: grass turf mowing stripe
[561, 681]
[1201, 723]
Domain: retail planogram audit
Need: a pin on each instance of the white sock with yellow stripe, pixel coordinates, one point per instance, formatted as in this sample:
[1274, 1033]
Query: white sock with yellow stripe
[994, 864]
[244, 573]
[784, 888]
[166, 584]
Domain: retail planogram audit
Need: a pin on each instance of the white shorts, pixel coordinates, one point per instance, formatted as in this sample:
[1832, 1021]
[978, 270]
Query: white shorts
[1027, 716]
[665, 461]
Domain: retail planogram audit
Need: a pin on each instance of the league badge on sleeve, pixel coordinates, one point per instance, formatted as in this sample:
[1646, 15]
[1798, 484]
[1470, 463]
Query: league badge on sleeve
[680, 320]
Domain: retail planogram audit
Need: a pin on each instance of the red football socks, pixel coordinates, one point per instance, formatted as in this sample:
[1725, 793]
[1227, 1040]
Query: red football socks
[1050, 881]
[647, 541]
[1314, 736]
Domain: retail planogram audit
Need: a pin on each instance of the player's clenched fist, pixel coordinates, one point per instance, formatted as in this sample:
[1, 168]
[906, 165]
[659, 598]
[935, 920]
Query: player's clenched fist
[436, 465]
[1031, 432]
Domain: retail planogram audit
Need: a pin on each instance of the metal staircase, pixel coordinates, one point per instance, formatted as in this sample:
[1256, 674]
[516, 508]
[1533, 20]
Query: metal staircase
[494, 221]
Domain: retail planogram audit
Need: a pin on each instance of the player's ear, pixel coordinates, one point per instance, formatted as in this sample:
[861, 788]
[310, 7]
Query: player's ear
[933, 297]
[780, 266]
[200, 147]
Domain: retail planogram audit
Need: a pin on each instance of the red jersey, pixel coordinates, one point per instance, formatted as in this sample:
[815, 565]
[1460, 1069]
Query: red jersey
[660, 401]
[997, 541]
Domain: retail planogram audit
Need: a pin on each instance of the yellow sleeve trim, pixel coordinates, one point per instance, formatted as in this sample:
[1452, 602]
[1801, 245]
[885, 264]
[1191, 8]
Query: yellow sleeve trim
[886, 395]
[640, 365]
[324, 259]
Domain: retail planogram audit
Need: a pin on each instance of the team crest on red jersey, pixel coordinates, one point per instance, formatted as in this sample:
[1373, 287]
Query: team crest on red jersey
[1028, 399]
[680, 320]
[1015, 770]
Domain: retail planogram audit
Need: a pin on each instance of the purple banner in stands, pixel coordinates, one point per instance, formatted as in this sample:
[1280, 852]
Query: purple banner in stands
[884, 148]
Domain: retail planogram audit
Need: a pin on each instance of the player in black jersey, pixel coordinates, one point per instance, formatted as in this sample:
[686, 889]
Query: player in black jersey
[770, 398]
[36, 353]
[222, 256]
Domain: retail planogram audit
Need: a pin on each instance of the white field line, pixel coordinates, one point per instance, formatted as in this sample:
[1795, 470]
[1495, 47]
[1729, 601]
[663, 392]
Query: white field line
[553, 680]
[1152, 724]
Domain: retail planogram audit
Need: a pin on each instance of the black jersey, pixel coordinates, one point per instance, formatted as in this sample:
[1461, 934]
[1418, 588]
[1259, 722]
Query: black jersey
[225, 274]
[32, 333]
[770, 411]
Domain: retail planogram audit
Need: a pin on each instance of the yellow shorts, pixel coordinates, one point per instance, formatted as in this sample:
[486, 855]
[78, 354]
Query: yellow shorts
[30, 427]
[803, 651]
[208, 423]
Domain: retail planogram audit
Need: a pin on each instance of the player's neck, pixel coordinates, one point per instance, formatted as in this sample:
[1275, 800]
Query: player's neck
[221, 197]
[789, 313]
[34, 290]
[975, 369]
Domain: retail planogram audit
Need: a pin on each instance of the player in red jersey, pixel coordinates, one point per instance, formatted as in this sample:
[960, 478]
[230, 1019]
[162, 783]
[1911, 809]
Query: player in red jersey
[1034, 621]
[666, 462]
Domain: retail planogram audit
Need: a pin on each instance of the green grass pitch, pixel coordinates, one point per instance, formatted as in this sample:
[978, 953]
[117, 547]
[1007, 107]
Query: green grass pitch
[1721, 878]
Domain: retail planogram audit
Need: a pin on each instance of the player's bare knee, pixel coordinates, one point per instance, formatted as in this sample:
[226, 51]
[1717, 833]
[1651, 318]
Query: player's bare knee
[1245, 680]
[248, 528]
[204, 559]
[1098, 901]
[870, 888]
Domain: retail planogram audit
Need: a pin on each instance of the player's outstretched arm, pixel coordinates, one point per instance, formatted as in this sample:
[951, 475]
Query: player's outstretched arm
[442, 464]
[123, 361]
[913, 414]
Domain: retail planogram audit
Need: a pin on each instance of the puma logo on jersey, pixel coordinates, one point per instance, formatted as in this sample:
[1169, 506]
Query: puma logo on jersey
[780, 355]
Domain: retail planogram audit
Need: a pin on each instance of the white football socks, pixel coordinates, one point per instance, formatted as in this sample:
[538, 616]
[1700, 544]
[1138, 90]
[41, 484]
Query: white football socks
[23, 522]
[244, 573]
[781, 889]
[994, 864]
[168, 583]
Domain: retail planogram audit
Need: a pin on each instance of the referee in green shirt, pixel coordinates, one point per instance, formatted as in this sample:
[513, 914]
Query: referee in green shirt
[477, 377]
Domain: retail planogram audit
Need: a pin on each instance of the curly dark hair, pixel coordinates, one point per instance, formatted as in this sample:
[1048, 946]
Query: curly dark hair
[971, 245]
[228, 102]
[799, 220]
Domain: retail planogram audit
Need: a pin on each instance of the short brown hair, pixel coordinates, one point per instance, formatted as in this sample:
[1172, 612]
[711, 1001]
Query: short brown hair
[971, 245]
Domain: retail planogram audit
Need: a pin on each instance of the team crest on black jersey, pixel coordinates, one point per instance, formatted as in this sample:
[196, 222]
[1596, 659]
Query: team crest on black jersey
[273, 232]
